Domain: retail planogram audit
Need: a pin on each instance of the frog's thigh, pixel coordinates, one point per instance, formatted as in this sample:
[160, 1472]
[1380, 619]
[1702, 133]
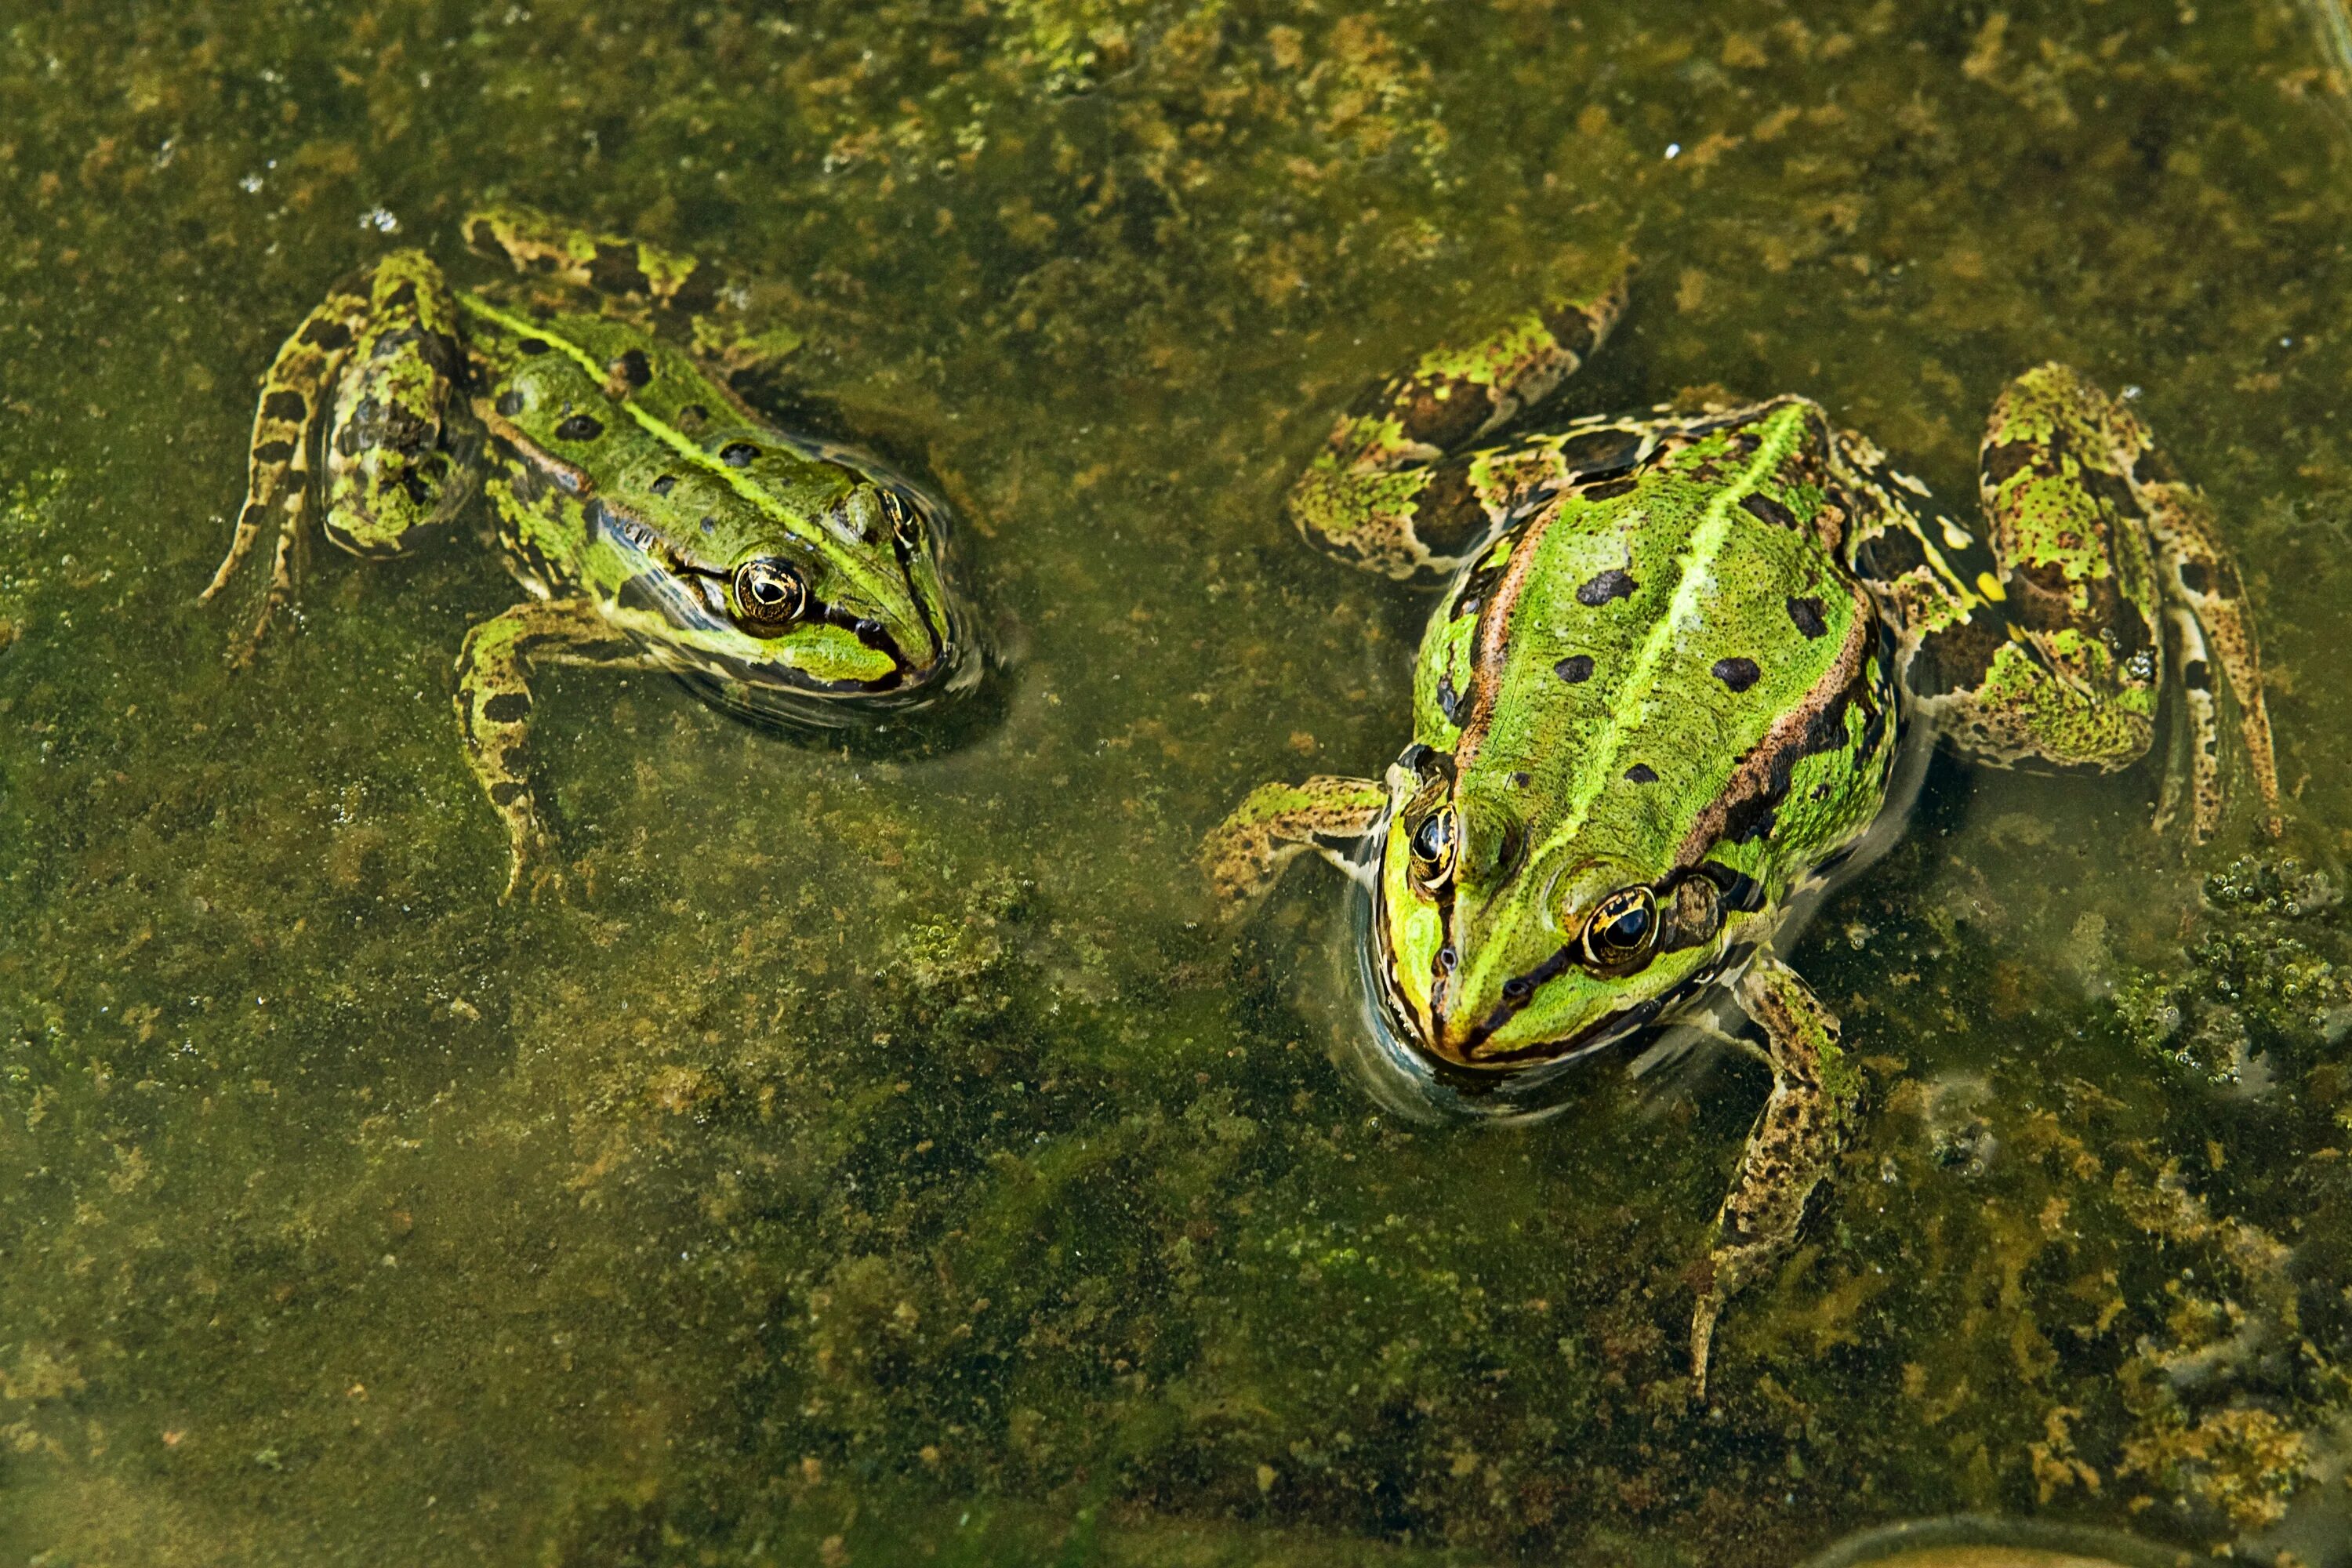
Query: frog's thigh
[1792, 1148]
[395, 464]
[1245, 852]
[293, 394]
[2044, 647]
[1372, 494]
[494, 703]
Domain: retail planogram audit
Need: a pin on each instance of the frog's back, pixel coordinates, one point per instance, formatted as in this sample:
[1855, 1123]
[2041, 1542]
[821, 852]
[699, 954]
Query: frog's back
[1673, 662]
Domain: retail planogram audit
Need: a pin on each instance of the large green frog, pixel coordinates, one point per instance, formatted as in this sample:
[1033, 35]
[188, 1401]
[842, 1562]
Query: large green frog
[1665, 694]
[655, 520]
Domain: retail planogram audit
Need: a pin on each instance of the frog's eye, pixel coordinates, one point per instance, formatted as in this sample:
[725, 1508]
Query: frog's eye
[1622, 930]
[905, 526]
[769, 596]
[1432, 845]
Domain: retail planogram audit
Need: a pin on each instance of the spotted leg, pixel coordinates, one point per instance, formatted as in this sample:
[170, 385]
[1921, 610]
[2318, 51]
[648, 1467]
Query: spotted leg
[1245, 854]
[382, 354]
[1796, 1140]
[2048, 643]
[1381, 492]
[494, 710]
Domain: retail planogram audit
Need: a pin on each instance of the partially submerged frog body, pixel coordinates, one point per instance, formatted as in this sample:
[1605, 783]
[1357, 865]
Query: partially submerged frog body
[653, 519]
[1663, 698]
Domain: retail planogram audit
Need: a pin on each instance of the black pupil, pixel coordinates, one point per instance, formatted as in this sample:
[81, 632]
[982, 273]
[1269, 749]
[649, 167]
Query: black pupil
[1628, 929]
[1430, 842]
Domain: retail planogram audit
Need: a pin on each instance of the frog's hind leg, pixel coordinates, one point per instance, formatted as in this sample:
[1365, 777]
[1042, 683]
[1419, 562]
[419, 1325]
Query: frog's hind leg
[1379, 493]
[1795, 1143]
[2205, 603]
[620, 268]
[1276, 822]
[293, 395]
[494, 705]
[2102, 553]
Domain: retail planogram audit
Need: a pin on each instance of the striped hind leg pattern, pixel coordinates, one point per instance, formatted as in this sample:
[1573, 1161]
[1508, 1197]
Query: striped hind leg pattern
[293, 395]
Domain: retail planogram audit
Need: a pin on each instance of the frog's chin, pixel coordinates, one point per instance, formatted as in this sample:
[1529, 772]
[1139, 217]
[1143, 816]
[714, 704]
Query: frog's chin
[776, 697]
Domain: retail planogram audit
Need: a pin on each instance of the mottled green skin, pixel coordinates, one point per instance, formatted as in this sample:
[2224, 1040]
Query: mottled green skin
[1566, 790]
[1668, 688]
[628, 489]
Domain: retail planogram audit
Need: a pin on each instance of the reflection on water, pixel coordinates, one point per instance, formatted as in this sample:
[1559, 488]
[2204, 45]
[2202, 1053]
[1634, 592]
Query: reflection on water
[888, 1152]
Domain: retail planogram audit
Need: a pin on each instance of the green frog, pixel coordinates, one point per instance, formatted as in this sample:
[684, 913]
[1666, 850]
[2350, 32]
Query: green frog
[1668, 692]
[654, 520]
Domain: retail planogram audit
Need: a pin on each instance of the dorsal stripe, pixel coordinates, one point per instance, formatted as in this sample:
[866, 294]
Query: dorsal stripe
[1599, 765]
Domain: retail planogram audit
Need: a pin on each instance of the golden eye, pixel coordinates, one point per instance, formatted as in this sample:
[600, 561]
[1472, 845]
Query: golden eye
[1622, 929]
[1432, 845]
[769, 596]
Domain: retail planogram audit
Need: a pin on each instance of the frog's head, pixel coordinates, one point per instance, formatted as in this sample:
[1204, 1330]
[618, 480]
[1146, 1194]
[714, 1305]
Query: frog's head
[1506, 938]
[781, 612]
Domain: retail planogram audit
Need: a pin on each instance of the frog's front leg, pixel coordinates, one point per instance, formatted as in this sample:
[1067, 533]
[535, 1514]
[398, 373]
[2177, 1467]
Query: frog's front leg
[494, 709]
[1795, 1142]
[383, 354]
[1381, 493]
[2055, 649]
[1277, 822]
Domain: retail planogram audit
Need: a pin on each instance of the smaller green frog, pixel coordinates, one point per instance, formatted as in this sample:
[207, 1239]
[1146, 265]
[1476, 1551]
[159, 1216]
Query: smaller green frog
[653, 519]
[1662, 701]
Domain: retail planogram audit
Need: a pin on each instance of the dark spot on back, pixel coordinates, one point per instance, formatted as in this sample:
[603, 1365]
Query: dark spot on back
[1954, 658]
[273, 451]
[634, 368]
[2196, 675]
[1891, 555]
[614, 270]
[663, 485]
[697, 290]
[1641, 772]
[693, 414]
[1597, 453]
[1997, 463]
[1446, 516]
[737, 454]
[327, 335]
[1806, 614]
[507, 708]
[284, 406]
[1739, 674]
[1441, 410]
[1448, 699]
[580, 427]
[1521, 780]
[1610, 585]
[1610, 490]
[529, 346]
[2195, 578]
[510, 403]
[1757, 504]
[1575, 668]
[1570, 329]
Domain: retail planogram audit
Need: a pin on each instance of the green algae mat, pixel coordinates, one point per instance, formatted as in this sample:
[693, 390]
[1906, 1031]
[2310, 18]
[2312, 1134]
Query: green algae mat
[883, 1153]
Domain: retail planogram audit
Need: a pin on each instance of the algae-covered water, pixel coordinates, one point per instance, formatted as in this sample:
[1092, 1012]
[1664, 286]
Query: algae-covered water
[886, 1156]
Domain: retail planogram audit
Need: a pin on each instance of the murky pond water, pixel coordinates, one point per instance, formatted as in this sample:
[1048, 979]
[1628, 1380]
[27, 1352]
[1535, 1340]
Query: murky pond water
[886, 1156]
